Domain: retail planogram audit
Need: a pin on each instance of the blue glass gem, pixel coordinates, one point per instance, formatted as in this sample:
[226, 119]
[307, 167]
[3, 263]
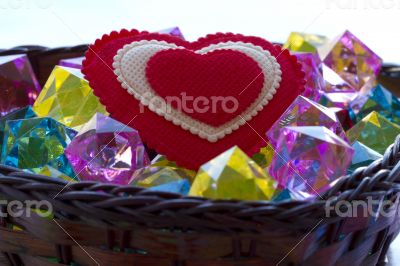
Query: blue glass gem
[36, 142]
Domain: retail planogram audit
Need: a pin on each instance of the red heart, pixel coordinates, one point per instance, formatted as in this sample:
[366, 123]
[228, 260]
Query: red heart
[221, 73]
[172, 140]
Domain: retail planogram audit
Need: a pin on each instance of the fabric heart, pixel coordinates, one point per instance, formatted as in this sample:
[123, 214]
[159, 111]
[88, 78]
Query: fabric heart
[192, 101]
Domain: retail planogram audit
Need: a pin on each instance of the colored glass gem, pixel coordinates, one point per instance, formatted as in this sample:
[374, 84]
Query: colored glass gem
[67, 98]
[338, 99]
[284, 195]
[344, 116]
[162, 161]
[179, 186]
[18, 84]
[75, 62]
[175, 31]
[36, 142]
[233, 175]
[363, 156]
[301, 42]
[374, 131]
[311, 65]
[304, 112]
[382, 101]
[106, 150]
[335, 83]
[264, 157]
[52, 172]
[353, 61]
[22, 113]
[309, 159]
[161, 179]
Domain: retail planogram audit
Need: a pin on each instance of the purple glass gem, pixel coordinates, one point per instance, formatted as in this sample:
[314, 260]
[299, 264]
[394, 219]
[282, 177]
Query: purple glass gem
[75, 62]
[106, 150]
[304, 112]
[18, 84]
[352, 60]
[175, 31]
[334, 83]
[309, 159]
[312, 67]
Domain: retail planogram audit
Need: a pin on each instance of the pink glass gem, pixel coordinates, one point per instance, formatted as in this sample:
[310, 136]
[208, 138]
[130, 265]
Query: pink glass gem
[353, 61]
[106, 150]
[304, 112]
[75, 62]
[334, 83]
[309, 159]
[311, 65]
[18, 84]
[175, 31]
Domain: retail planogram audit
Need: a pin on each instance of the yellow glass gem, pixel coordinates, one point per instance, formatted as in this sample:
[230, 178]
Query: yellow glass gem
[67, 98]
[52, 172]
[162, 179]
[264, 157]
[162, 161]
[302, 42]
[374, 131]
[233, 175]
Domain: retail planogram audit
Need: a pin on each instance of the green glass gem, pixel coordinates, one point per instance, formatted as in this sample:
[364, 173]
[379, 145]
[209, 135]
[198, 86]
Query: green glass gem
[52, 172]
[264, 157]
[374, 131]
[233, 175]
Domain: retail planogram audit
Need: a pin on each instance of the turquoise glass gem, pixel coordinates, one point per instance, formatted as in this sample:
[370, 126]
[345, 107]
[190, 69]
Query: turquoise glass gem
[36, 142]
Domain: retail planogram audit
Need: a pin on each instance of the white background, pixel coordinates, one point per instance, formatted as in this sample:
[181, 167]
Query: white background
[61, 22]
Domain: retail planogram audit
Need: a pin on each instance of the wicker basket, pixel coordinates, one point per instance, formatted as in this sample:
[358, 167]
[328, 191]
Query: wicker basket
[103, 224]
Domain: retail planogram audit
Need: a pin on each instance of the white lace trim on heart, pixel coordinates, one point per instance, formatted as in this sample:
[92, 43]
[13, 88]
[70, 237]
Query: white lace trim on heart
[130, 67]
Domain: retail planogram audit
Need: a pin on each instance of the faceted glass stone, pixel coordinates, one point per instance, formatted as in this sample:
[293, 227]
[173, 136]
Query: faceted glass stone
[233, 175]
[311, 65]
[175, 31]
[309, 159]
[162, 161]
[22, 113]
[344, 117]
[374, 131]
[335, 83]
[36, 142]
[304, 112]
[18, 84]
[52, 172]
[338, 99]
[383, 102]
[75, 62]
[302, 42]
[179, 186]
[106, 150]
[67, 98]
[353, 60]
[363, 156]
[161, 179]
[264, 157]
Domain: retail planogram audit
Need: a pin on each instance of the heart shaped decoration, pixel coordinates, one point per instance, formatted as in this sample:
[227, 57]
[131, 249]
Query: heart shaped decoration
[192, 101]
